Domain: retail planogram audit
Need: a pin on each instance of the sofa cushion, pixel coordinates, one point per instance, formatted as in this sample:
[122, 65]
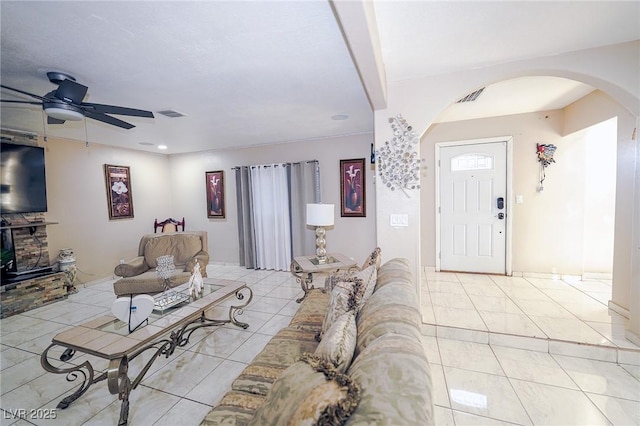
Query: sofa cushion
[395, 382]
[235, 408]
[182, 246]
[392, 308]
[283, 350]
[309, 392]
[339, 342]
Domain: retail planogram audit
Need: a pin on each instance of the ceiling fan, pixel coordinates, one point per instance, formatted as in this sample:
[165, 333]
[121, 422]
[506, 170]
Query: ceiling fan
[65, 103]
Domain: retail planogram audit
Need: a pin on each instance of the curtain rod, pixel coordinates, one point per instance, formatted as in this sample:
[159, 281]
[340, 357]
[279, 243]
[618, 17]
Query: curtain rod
[278, 164]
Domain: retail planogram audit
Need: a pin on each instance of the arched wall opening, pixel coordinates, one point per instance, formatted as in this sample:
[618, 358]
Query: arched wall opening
[608, 104]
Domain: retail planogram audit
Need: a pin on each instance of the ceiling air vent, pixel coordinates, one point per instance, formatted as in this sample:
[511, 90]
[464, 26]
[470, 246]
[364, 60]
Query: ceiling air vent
[471, 96]
[171, 113]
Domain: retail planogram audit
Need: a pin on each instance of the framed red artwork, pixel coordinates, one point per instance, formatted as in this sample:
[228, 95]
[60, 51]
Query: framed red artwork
[352, 188]
[215, 194]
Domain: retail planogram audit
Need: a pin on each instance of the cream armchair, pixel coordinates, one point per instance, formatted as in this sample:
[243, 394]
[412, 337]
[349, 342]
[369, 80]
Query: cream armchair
[139, 274]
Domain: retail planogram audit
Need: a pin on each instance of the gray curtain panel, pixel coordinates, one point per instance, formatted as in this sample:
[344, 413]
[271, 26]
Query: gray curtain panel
[305, 188]
[246, 236]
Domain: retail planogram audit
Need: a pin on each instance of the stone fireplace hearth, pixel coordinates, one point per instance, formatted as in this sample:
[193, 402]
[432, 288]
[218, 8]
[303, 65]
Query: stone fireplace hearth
[30, 281]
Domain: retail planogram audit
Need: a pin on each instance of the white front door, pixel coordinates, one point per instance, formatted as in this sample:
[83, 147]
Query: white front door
[473, 207]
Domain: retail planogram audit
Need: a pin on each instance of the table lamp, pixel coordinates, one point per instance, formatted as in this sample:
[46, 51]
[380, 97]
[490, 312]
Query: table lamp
[320, 215]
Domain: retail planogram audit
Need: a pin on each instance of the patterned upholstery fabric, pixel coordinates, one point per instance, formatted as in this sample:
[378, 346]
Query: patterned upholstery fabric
[307, 393]
[339, 343]
[311, 312]
[235, 408]
[369, 276]
[283, 350]
[389, 364]
[343, 299]
[392, 308]
[395, 380]
[374, 258]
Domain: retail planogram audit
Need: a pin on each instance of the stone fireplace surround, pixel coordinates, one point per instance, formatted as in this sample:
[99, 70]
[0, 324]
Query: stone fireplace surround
[29, 291]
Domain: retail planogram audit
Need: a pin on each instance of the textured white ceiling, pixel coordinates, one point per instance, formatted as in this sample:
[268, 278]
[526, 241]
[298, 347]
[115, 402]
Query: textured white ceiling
[243, 73]
[423, 38]
[261, 72]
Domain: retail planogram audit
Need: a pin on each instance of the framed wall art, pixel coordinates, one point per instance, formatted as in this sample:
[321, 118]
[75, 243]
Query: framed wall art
[352, 188]
[215, 194]
[119, 197]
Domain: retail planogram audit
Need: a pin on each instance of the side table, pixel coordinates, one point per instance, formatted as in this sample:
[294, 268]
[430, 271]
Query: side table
[303, 268]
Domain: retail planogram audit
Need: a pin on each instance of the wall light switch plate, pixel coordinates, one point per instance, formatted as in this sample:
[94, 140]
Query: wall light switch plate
[399, 219]
[519, 199]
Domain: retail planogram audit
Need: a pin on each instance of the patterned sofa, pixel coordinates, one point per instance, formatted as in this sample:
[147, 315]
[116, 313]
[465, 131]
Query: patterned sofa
[384, 379]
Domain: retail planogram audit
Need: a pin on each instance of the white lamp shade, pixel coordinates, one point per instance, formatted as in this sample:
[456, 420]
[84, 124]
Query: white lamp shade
[320, 214]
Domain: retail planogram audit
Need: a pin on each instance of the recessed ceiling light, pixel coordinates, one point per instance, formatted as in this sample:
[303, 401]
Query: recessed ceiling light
[162, 147]
[339, 117]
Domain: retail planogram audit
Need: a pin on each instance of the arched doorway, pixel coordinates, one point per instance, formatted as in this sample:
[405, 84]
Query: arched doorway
[557, 231]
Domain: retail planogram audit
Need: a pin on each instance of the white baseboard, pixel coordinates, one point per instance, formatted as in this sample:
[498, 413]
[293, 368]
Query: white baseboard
[618, 309]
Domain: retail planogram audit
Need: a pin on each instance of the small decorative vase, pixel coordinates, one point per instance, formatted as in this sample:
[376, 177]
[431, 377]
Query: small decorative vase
[353, 199]
[66, 259]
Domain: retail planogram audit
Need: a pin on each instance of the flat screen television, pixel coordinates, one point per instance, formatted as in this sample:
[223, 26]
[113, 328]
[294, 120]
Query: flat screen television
[23, 187]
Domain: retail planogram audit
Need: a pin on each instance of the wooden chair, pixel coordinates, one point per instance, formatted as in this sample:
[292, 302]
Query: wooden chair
[168, 225]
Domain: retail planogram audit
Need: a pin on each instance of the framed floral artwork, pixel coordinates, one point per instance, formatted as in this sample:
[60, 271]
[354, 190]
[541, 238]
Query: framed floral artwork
[119, 197]
[352, 188]
[215, 194]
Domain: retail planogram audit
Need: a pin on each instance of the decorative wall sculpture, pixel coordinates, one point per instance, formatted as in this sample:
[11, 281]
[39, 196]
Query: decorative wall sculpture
[398, 162]
[545, 157]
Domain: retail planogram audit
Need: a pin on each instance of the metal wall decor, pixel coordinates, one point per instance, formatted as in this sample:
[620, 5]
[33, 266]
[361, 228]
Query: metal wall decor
[545, 157]
[399, 165]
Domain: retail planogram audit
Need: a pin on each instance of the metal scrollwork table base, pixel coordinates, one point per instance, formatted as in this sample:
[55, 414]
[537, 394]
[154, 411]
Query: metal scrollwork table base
[303, 268]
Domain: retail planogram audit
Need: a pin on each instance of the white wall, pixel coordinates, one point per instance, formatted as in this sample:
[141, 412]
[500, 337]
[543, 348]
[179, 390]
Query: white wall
[77, 200]
[352, 236]
[173, 186]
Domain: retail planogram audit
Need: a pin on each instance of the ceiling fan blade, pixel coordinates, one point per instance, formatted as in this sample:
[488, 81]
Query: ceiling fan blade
[108, 119]
[71, 91]
[23, 92]
[51, 120]
[112, 109]
[20, 102]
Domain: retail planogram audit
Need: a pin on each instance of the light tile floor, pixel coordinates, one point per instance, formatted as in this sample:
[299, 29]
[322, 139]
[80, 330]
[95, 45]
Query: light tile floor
[474, 383]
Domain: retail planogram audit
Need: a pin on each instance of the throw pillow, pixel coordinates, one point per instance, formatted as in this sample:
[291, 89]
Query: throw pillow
[339, 342]
[310, 392]
[373, 259]
[342, 300]
[369, 277]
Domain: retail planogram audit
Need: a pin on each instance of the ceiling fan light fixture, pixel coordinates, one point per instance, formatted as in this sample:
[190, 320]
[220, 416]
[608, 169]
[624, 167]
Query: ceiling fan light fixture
[63, 111]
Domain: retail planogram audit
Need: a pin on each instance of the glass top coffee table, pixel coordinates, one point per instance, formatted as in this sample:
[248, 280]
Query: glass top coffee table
[109, 338]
